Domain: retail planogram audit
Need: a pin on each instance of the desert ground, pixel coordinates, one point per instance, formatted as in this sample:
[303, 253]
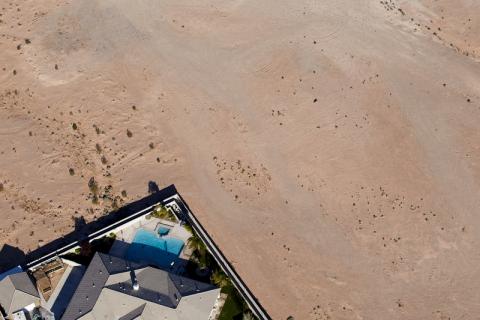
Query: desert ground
[331, 148]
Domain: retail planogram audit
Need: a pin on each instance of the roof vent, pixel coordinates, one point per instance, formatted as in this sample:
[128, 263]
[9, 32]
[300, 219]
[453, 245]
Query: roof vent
[135, 285]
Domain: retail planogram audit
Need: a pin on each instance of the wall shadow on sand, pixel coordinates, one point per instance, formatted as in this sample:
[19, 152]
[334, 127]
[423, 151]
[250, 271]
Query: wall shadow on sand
[11, 256]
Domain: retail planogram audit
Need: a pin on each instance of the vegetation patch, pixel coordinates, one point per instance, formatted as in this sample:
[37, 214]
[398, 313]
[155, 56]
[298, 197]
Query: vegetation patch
[87, 250]
[162, 212]
[234, 306]
[203, 267]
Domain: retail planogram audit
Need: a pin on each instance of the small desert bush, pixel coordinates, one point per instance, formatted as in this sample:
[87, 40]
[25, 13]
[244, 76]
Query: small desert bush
[93, 185]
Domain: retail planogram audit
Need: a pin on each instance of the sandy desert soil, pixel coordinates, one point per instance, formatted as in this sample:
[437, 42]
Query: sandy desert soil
[332, 148]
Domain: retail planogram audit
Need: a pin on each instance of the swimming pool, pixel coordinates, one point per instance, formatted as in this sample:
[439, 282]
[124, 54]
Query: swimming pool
[150, 248]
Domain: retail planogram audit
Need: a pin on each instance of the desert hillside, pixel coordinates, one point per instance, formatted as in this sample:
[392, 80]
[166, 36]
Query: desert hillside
[332, 148]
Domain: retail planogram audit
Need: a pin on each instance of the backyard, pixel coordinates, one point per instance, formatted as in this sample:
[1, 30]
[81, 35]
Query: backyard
[87, 250]
[147, 244]
[202, 266]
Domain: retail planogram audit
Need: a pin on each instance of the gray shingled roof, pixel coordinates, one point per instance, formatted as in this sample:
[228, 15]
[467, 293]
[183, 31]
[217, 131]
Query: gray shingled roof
[158, 286]
[99, 270]
[155, 285]
[17, 291]
[134, 314]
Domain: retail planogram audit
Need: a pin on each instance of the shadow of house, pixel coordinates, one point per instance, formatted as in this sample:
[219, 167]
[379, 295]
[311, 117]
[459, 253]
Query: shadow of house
[149, 255]
[11, 256]
[119, 248]
[67, 291]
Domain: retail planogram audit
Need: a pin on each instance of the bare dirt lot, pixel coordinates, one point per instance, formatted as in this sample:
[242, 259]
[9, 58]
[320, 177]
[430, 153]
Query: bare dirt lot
[332, 148]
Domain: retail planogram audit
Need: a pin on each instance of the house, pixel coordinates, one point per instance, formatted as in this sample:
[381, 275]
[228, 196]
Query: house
[17, 293]
[110, 288]
[114, 288]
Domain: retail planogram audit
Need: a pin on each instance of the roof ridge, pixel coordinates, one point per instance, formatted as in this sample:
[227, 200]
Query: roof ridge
[13, 293]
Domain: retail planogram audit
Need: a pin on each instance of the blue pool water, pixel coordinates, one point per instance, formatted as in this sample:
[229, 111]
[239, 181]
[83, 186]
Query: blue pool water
[163, 230]
[148, 247]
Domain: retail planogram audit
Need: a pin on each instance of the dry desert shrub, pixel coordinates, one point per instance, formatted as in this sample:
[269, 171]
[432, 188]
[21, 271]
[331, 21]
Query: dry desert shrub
[92, 185]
